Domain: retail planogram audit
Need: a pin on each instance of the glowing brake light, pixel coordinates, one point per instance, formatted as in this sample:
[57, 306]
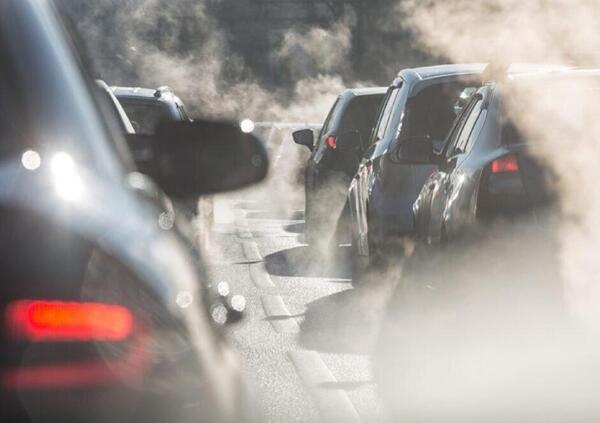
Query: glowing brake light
[38, 320]
[331, 142]
[505, 164]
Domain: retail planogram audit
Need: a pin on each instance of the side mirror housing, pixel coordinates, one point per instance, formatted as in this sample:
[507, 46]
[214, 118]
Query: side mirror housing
[202, 157]
[304, 137]
[414, 150]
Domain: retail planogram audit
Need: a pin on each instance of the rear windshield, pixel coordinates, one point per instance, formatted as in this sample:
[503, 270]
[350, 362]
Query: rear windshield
[145, 115]
[511, 135]
[361, 114]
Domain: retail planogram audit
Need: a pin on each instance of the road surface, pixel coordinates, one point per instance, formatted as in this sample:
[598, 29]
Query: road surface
[306, 337]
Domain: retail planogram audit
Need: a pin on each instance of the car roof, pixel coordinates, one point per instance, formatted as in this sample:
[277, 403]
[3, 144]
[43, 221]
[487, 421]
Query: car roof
[421, 77]
[440, 71]
[365, 91]
[162, 94]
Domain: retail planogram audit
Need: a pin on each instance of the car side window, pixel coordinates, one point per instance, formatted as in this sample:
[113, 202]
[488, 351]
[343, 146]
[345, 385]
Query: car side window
[182, 112]
[469, 121]
[386, 113]
[327, 123]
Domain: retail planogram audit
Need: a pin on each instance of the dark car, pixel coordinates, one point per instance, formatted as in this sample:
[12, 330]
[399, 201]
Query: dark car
[420, 104]
[148, 107]
[487, 168]
[105, 316]
[333, 161]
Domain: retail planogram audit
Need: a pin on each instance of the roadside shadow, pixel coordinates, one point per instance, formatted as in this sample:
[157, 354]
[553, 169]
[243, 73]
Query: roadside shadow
[345, 322]
[304, 261]
[296, 228]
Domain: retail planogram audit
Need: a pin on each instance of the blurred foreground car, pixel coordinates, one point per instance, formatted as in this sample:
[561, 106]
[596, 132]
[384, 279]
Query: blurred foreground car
[333, 161]
[420, 105]
[104, 313]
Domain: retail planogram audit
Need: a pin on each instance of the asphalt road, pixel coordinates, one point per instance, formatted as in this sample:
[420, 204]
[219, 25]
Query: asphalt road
[307, 335]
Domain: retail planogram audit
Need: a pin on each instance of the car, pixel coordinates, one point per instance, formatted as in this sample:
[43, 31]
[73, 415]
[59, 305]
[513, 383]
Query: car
[105, 315]
[486, 169]
[333, 160]
[421, 103]
[114, 107]
[147, 107]
[495, 281]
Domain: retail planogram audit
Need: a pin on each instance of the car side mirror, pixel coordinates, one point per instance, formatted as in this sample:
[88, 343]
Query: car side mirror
[201, 157]
[304, 137]
[414, 150]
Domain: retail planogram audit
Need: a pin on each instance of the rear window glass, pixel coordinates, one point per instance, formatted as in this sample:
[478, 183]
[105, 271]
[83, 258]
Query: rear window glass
[360, 115]
[145, 116]
[511, 135]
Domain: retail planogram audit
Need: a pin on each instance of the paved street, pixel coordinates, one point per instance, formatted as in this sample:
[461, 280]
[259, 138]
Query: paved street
[307, 334]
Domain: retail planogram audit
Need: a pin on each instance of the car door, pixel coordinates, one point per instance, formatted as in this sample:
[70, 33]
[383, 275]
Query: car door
[444, 186]
[360, 186]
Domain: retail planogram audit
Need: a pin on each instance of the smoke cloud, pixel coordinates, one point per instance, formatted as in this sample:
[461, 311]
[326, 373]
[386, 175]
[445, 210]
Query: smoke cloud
[503, 327]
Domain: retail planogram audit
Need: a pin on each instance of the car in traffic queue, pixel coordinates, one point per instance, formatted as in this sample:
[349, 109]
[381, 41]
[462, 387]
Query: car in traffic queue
[488, 168]
[334, 159]
[105, 316]
[147, 107]
[420, 104]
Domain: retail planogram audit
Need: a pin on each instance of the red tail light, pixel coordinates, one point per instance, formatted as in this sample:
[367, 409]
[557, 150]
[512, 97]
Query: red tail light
[331, 142]
[35, 320]
[505, 164]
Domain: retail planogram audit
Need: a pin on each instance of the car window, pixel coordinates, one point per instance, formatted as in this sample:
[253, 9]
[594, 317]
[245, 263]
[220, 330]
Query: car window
[328, 121]
[464, 139]
[183, 112]
[384, 117]
[360, 115]
[431, 112]
[146, 114]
